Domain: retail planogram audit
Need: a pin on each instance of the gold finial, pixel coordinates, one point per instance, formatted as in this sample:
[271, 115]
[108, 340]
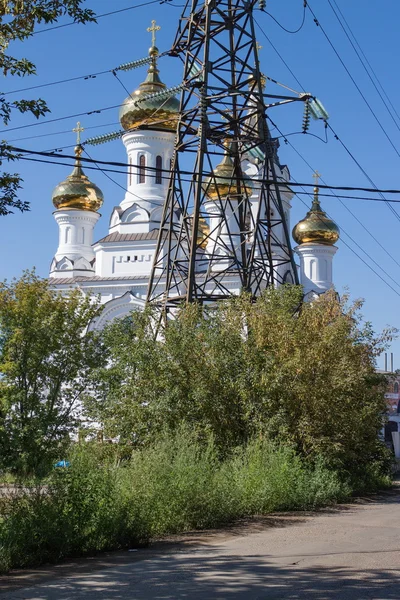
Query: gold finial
[78, 130]
[316, 205]
[153, 30]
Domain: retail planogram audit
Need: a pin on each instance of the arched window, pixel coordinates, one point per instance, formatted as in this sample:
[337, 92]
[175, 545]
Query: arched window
[130, 171]
[159, 170]
[142, 169]
[396, 388]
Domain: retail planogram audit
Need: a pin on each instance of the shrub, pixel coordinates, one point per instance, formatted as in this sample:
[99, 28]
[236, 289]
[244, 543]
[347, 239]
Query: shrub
[176, 484]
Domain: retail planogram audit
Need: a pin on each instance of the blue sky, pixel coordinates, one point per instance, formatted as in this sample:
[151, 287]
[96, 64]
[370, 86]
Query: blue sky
[30, 239]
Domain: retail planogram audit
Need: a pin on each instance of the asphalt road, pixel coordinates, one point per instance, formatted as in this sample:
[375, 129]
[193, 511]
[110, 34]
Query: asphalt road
[349, 553]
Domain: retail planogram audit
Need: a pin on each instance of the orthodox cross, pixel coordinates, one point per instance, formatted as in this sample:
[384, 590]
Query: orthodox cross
[78, 130]
[153, 30]
[316, 177]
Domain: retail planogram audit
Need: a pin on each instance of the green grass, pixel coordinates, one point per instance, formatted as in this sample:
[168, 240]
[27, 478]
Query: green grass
[174, 486]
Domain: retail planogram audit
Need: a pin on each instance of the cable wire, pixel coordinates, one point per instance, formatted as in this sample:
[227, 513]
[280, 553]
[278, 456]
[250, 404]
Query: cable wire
[366, 59]
[367, 254]
[380, 192]
[114, 12]
[318, 24]
[185, 172]
[347, 208]
[365, 68]
[288, 30]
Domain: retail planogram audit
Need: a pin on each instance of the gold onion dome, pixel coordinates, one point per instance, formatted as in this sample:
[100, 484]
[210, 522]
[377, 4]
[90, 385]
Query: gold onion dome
[203, 231]
[223, 181]
[316, 227]
[77, 192]
[155, 113]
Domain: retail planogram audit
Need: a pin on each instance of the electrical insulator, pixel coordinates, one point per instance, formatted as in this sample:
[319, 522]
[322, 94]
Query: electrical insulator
[306, 117]
[262, 4]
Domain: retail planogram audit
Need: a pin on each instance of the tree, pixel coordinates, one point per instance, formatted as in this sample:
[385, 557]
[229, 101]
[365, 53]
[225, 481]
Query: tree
[46, 356]
[300, 374]
[18, 19]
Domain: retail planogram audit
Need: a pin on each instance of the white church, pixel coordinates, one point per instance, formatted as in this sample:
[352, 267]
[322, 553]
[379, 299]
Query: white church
[117, 267]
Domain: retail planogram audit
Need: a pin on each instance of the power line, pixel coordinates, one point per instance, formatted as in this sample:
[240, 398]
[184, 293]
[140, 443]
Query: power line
[380, 192]
[318, 24]
[91, 112]
[278, 53]
[288, 30]
[60, 81]
[294, 183]
[334, 133]
[367, 254]
[113, 180]
[363, 64]
[366, 198]
[350, 211]
[123, 67]
[366, 59]
[114, 12]
[42, 135]
[184, 172]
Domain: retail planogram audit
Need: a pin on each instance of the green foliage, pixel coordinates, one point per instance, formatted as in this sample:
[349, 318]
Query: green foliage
[45, 362]
[302, 375]
[18, 20]
[174, 485]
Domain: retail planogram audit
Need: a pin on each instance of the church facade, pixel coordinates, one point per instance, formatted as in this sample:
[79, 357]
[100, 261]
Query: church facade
[117, 267]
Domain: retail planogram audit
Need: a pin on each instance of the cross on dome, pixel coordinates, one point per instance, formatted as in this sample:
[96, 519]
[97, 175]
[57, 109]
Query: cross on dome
[78, 130]
[153, 30]
[316, 176]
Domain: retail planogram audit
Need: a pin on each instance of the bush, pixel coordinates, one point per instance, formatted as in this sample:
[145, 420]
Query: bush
[175, 485]
[303, 373]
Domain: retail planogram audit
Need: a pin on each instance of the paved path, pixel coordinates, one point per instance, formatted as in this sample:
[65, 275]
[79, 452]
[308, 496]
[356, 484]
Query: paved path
[350, 553]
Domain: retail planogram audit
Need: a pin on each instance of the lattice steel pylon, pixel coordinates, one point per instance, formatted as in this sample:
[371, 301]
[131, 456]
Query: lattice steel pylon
[220, 232]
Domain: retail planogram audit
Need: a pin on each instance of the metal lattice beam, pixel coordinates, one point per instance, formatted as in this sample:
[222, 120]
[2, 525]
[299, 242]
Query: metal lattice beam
[222, 113]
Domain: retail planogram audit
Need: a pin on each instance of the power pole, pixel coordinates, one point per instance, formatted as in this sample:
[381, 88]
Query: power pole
[221, 232]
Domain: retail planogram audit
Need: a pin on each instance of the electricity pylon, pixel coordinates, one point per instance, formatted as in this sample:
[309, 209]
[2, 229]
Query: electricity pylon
[220, 231]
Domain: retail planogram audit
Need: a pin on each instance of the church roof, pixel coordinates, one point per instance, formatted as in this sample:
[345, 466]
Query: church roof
[129, 237]
[82, 279]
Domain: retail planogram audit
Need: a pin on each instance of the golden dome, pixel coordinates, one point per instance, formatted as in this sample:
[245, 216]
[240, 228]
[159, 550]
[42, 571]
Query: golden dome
[203, 233]
[77, 192]
[222, 182]
[316, 227]
[157, 113]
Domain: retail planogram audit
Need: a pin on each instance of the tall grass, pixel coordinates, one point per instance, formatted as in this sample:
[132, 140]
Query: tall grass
[176, 485]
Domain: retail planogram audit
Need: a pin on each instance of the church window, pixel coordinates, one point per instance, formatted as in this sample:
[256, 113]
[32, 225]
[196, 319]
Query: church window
[313, 270]
[396, 388]
[130, 170]
[142, 168]
[159, 170]
[83, 235]
[67, 234]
